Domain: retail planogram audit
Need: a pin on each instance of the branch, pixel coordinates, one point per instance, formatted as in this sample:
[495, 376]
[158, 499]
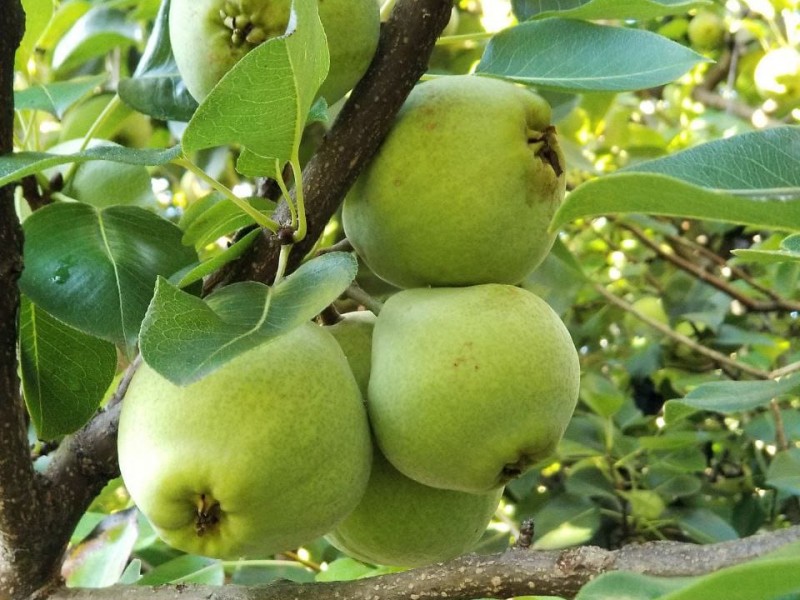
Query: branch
[516, 572]
[19, 559]
[406, 42]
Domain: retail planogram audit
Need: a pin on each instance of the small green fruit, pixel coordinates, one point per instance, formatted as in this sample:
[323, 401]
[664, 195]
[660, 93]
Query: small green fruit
[706, 31]
[267, 453]
[210, 36]
[463, 188]
[403, 523]
[470, 386]
[354, 334]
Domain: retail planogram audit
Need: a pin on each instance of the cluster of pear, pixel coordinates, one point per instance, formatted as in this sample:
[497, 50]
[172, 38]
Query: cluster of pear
[472, 379]
[392, 435]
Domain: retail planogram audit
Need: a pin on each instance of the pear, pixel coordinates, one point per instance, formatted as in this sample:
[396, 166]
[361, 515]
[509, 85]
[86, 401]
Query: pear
[463, 188]
[210, 36]
[268, 452]
[470, 386]
[403, 523]
[354, 334]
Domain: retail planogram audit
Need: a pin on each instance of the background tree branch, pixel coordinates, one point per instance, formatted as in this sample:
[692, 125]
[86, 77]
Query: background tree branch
[517, 572]
[406, 42]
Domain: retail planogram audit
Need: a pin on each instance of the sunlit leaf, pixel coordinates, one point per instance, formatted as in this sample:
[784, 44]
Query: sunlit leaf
[602, 9]
[577, 56]
[184, 338]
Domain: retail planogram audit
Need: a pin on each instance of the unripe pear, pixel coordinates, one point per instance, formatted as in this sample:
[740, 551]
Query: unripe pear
[210, 36]
[470, 386]
[706, 31]
[463, 188]
[267, 453]
[404, 523]
[354, 334]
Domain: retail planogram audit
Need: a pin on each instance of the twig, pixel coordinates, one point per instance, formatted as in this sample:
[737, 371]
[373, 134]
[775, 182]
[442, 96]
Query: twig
[717, 357]
[354, 292]
[780, 431]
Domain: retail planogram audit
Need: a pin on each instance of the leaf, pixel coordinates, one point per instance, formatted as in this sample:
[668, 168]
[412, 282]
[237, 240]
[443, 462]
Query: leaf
[16, 166]
[705, 526]
[263, 102]
[576, 56]
[102, 182]
[57, 97]
[621, 585]
[762, 165]
[65, 373]
[566, 521]
[762, 579]
[602, 9]
[100, 559]
[156, 87]
[95, 269]
[220, 218]
[37, 15]
[184, 338]
[196, 273]
[784, 471]
[95, 33]
[662, 195]
[186, 569]
[789, 251]
[727, 397]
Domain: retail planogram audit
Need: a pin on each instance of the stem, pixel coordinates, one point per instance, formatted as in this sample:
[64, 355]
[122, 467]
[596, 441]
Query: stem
[780, 431]
[283, 259]
[452, 40]
[98, 123]
[302, 224]
[257, 216]
[286, 195]
[354, 292]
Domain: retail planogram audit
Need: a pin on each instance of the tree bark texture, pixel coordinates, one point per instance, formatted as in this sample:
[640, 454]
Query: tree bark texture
[516, 572]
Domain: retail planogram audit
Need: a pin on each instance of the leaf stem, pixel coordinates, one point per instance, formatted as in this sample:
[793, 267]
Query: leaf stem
[283, 259]
[257, 216]
[452, 40]
[302, 223]
[285, 192]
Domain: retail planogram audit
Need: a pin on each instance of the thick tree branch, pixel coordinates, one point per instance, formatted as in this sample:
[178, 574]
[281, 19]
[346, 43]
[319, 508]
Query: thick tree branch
[18, 505]
[517, 572]
[407, 40]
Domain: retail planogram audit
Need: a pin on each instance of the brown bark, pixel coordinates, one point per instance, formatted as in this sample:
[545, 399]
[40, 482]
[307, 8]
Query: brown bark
[517, 572]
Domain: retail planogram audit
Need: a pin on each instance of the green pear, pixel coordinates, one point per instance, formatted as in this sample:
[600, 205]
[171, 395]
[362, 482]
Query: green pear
[210, 36]
[463, 188]
[470, 386]
[354, 334]
[268, 452]
[403, 523]
[706, 31]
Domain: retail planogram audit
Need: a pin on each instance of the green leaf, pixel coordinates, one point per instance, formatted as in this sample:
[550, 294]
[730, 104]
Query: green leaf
[57, 97]
[102, 182]
[576, 56]
[565, 521]
[729, 397]
[784, 471]
[97, 32]
[196, 273]
[186, 569]
[37, 16]
[762, 165]
[100, 559]
[184, 338]
[789, 251]
[220, 218]
[762, 579]
[705, 526]
[95, 269]
[620, 585]
[603, 9]
[65, 373]
[156, 87]
[16, 166]
[263, 102]
[344, 569]
[662, 195]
